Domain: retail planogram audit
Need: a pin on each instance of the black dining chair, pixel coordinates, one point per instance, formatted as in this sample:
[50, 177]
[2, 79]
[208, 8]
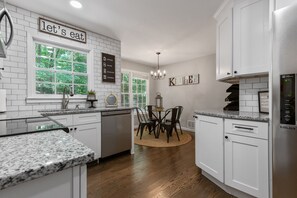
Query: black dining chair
[171, 124]
[179, 112]
[143, 122]
[151, 116]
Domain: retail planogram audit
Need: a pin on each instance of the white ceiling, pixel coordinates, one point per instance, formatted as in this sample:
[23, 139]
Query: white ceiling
[180, 29]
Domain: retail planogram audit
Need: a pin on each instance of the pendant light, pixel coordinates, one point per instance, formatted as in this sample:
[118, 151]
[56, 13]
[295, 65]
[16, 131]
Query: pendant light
[158, 75]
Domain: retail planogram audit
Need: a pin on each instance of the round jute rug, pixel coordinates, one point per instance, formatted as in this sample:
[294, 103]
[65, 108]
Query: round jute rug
[151, 141]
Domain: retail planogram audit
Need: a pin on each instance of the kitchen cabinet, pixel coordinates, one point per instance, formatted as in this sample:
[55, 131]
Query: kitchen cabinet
[90, 136]
[246, 164]
[234, 152]
[68, 183]
[251, 53]
[246, 156]
[224, 48]
[209, 148]
[84, 127]
[243, 45]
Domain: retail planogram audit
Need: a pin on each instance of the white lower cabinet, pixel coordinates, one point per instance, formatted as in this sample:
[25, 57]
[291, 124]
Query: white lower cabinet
[90, 135]
[209, 146]
[234, 152]
[246, 164]
[84, 127]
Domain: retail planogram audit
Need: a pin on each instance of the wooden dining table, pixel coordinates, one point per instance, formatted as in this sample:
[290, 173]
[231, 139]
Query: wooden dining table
[159, 117]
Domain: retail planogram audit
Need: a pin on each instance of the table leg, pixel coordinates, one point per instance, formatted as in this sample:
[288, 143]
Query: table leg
[159, 124]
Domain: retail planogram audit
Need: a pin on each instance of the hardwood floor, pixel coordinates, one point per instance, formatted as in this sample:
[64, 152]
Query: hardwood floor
[151, 172]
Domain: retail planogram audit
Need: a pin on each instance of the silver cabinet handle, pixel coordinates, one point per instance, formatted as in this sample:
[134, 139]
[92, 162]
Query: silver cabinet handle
[246, 128]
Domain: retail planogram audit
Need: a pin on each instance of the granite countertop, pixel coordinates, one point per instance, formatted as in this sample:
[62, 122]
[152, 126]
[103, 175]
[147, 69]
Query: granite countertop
[240, 115]
[19, 115]
[27, 157]
[79, 111]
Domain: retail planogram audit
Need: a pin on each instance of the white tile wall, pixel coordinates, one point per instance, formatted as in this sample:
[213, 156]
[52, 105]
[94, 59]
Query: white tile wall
[15, 74]
[248, 92]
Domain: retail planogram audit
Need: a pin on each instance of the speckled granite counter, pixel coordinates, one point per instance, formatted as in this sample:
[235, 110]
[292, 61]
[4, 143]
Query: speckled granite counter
[79, 111]
[239, 115]
[27, 157]
[19, 115]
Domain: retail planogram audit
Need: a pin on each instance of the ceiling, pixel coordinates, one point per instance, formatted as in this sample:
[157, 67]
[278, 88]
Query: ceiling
[180, 29]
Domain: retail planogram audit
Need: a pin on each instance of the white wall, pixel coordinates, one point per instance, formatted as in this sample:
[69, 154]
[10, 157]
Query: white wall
[208, 94]
[15, 79]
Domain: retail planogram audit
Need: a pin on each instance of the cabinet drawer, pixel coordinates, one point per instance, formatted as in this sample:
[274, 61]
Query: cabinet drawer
[66, 120]
[247, 128]
[86, 118]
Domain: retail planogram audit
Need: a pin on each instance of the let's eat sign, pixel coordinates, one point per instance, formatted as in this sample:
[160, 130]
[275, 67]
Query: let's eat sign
[57, 29]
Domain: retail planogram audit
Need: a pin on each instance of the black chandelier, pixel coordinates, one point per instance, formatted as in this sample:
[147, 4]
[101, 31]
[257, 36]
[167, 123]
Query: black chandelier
[158, 75]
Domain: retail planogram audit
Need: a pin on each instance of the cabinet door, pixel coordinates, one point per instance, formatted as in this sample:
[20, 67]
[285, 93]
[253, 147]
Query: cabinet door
[224, 46]
[209, 145]
[90, 135]
[251, 37]
[246, 164]
[66, 120]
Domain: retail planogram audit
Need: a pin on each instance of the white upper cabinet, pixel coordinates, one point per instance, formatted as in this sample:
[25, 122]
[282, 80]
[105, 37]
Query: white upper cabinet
[243, 38]
[224, 47]
[251, 52]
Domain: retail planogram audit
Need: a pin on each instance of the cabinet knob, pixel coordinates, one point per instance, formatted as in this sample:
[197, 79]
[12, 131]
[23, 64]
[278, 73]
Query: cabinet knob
[75, 128]
[228, 73]
[71, 129]
[226, 137]
[235, 72]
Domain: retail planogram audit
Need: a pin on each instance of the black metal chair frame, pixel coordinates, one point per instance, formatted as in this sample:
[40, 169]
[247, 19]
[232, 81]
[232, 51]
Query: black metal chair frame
[143, 122]
[169, 126]
[151, 116]
[179, 112]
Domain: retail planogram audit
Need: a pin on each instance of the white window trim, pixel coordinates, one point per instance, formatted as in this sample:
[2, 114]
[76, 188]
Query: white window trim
[32, 97]
[132, 73]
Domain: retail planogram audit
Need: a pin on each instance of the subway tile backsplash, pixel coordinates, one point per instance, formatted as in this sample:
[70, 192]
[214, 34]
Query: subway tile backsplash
[16, 77]
[248, 92]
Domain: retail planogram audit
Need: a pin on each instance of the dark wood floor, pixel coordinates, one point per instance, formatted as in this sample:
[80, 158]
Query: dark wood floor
[151, 172]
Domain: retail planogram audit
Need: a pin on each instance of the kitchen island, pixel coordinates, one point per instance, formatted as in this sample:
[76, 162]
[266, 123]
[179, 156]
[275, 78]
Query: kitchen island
[43, 165]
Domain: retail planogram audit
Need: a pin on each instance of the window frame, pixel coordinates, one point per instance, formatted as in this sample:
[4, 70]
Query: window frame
[140, 75]
[32, 39]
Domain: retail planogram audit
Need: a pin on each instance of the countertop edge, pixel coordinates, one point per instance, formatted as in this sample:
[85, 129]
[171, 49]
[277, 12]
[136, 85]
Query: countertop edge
[230, 116]
[45, 170]
[42, 170]
[46, 113]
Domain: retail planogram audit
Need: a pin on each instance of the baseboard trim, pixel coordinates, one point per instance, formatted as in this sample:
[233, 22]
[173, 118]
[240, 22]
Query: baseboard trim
[188, 129]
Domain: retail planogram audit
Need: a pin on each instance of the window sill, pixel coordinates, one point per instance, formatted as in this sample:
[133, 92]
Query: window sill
[34, 100]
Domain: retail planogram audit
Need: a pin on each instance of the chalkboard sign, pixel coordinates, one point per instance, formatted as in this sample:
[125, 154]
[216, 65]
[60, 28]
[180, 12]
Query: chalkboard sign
[108, 68]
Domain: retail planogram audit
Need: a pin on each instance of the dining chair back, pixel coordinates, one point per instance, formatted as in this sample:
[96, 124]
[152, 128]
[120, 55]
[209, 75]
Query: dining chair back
[143, 122]
[169, 126]
[180, 110]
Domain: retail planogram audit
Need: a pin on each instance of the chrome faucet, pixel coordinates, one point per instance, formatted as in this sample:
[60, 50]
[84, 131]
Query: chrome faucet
[65, 99]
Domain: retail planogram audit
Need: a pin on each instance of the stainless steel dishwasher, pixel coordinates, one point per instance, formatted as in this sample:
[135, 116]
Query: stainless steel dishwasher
[115, 132]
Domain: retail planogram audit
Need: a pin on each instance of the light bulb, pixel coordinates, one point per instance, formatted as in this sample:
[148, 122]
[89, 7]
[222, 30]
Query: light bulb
[76, 4]
[164, 72]
[159, 71]
[155, 74]
[152, 73]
